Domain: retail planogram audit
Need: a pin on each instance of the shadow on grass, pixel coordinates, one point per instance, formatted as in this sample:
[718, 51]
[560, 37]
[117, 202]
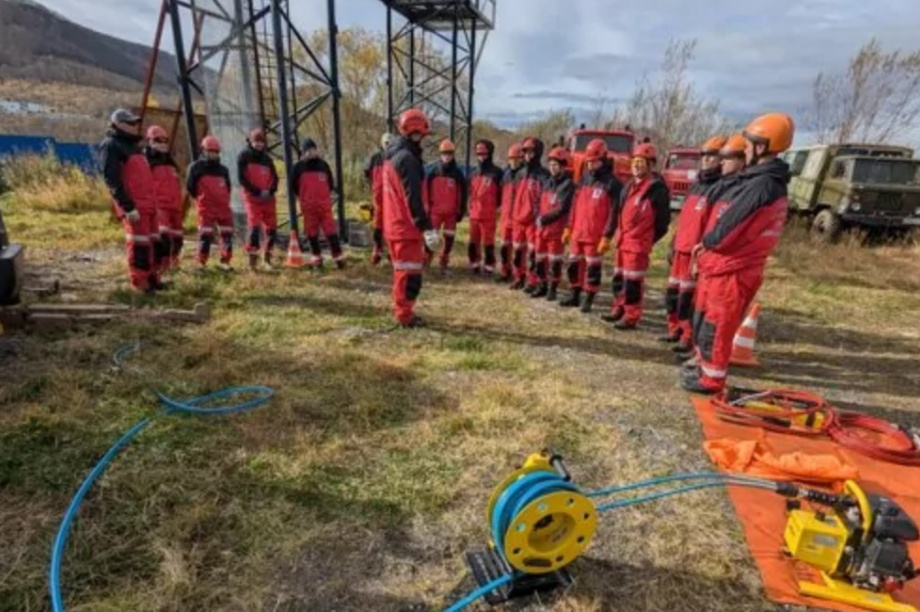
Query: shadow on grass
[787, 326]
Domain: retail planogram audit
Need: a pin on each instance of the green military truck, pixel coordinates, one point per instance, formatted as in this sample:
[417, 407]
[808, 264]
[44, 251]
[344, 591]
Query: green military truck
[873, 187]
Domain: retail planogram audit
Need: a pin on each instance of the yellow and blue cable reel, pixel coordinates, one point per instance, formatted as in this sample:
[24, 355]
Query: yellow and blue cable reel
[539, 522]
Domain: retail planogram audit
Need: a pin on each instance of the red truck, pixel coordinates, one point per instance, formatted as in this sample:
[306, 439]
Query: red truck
[620, 145]
[679, 172]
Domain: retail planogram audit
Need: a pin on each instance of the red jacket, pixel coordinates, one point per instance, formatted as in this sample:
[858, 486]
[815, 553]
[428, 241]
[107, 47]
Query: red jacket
[595, 202]
[555, 205]
[485, 191]
[643, 215]
[694, 213]
[311, 180]
[166, 183]
[373, 172]
[256, 172]
[446, 189]
[509, 189]
[209, 183]
[126, 172]
[404, 214]
[748, 221]
[529, 188]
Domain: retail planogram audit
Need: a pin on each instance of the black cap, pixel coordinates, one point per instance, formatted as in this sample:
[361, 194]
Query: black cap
[123, 115]
[307, 144]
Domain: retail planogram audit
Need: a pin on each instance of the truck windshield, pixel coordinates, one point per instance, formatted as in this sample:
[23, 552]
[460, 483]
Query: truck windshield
[615, 142]
[886, 172]
[683, 161]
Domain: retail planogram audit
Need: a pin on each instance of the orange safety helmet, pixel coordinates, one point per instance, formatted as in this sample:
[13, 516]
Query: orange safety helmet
[713, 145]
[446, 146]
[775, 130]
[211, 144]
[734, 146]
[529, 143]
[596, 150]
[257, 135]
[560, 154]
[413, 120]
[155, 132]
[515, 151]
[646, 150]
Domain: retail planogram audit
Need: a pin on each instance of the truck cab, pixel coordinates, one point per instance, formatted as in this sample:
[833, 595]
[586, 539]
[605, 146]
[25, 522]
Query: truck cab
[854, 185]
[680, 172]
[620, 145]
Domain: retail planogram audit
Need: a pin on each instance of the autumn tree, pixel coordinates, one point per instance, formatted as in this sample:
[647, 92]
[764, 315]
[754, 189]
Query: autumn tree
[668, 107]
[877, 100]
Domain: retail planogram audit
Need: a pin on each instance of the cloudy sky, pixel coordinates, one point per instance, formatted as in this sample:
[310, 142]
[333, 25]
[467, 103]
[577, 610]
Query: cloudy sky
[753, 55]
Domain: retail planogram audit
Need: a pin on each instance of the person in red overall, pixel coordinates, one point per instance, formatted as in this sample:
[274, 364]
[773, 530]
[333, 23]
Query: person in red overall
[552, 220]
[311, 180]
[446, 189]
[168, 188]
[595, 202]
[732, 163]
[690, 225]
[485, 198]
[208, 181]
[373, 173]
[734, 252]
[506, 226]
[526, 203]
[130, 182]
[406, 225]
[642, 219]
[256, 174]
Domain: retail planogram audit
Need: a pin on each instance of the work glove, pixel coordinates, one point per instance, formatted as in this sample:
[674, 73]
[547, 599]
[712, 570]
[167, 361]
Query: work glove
[566, 235]
[367, 212]
[603, 246]
[265, 194]
[133, 216]
[432, 240]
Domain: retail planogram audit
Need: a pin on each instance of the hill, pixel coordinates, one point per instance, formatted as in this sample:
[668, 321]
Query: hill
[40, 45]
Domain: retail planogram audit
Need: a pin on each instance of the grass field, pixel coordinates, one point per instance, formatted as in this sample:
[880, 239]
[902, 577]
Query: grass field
[362, 483]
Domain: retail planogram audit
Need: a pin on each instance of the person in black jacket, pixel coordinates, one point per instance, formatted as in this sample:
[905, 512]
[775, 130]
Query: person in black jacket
[552, 219]
[311, 181]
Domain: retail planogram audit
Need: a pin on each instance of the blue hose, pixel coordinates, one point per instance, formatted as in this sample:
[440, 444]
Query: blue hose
[192, 406]
[480, 592]
[720, 476]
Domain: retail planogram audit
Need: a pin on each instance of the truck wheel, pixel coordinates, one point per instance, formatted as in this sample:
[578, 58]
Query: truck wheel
[826, 227]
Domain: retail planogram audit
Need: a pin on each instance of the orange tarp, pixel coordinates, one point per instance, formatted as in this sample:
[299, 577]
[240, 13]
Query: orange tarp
[763, 514]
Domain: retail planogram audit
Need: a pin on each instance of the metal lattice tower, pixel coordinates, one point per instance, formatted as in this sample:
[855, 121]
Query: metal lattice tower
[415, 74]
[251, 67]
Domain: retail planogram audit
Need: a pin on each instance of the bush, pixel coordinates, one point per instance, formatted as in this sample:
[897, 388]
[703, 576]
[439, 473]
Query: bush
[42, 183]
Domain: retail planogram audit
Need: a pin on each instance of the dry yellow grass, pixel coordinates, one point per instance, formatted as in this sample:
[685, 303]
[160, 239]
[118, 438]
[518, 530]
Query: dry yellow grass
[362, 483]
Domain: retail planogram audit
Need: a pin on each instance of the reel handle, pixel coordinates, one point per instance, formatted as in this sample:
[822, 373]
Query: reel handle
[555, 460]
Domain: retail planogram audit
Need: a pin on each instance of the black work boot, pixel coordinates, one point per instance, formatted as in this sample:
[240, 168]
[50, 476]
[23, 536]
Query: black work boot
[573, 300]
[551, 294]
[613, 316]
[541, 291]
[624, 325]
[530, 289]
[517, 285]
[588, 303]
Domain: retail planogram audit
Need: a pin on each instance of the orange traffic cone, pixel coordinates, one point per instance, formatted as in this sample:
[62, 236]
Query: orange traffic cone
[743, 345]
[295, 258]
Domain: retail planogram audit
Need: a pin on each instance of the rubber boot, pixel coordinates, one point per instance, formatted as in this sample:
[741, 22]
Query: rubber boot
[573, 300]
[530, 289]
[551, 294]
[588, 303]
[613, 316]
[541, 291]
[517, 285]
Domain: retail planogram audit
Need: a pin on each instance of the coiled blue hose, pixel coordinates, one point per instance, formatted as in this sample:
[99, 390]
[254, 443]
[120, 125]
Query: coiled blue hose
[193, 406]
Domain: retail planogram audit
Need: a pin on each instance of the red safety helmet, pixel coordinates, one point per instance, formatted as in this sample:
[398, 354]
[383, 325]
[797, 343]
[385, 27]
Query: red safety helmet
[596, 150]
[413, 120]
[446, 146]
[515, 152]
[646, 150]
[210, 144]
[257, 135]
[560, 154]
[156, 132]
[482, 148]
[529, 143]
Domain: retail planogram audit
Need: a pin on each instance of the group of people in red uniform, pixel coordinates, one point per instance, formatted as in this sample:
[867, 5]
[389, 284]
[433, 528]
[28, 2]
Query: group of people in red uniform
[148, 197]
[730, 222]
[729, 225]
